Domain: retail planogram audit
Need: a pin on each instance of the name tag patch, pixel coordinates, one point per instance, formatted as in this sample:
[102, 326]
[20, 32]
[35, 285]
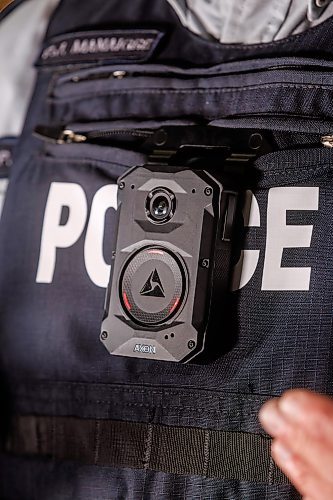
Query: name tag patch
[122, 45]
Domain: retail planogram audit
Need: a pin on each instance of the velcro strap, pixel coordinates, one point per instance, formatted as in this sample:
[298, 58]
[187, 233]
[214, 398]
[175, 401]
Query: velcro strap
[179, 450]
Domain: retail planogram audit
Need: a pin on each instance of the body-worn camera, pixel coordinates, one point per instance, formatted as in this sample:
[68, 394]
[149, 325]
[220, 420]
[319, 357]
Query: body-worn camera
[171, 263]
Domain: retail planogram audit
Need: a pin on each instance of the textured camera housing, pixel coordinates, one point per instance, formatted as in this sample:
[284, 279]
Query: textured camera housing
[187, 241]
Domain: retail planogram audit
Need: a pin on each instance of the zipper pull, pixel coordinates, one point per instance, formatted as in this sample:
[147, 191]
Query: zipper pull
[327, 141]
[118, 74]
[68, 136]
[58, 135]
[5, 158]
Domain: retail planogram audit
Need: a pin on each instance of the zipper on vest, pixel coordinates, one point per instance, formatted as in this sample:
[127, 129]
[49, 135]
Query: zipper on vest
[59, 135]
[117, 74]
[67, 136]
[327, 141]
[175, 72]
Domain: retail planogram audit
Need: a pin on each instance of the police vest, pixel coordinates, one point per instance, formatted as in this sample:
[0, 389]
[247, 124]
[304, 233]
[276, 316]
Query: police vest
[79, 423]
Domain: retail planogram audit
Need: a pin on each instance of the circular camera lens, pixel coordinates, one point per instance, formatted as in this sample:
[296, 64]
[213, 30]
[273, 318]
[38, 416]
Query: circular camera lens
[160, 205]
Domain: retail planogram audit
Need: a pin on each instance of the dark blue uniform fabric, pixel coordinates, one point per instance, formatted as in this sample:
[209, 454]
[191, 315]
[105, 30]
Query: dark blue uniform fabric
[52, 286]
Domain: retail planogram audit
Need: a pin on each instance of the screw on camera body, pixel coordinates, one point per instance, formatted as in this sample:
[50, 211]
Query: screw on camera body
[104, 335]
[121, 185]
[255, 141]
[160, 138]
[191, 344]
[205, 263]
[208, 191]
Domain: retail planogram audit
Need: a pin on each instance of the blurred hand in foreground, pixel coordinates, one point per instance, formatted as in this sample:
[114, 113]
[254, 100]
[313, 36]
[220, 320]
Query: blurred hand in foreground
[301, 423]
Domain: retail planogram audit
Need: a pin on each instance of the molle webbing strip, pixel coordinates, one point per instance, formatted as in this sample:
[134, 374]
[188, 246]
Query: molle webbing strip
[178, 450]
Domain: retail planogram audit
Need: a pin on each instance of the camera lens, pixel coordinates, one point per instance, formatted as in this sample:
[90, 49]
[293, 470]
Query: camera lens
[160, 205]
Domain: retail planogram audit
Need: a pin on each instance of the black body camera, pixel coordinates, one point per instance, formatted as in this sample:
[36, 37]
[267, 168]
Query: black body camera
[171, 263]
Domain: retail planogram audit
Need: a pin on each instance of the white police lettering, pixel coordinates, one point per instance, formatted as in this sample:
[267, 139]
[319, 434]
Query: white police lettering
[55, 234]
[248, 261]
[146, 349]
[281, 235]
[97, 269]
[3, 189]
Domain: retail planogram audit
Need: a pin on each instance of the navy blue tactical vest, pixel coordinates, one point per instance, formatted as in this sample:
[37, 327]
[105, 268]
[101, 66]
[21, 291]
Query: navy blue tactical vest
[79, 423]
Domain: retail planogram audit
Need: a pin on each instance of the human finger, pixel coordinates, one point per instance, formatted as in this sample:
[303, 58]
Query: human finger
[302, 474]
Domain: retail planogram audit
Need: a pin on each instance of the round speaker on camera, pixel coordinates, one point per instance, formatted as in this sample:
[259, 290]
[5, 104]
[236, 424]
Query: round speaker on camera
[153, 285]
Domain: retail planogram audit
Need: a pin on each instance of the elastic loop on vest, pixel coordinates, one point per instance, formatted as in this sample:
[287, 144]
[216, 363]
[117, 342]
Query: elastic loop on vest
[178, 450]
